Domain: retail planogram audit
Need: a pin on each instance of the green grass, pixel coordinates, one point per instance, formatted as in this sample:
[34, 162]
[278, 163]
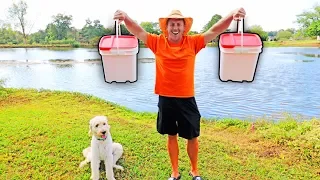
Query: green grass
[76, 45]
[294, 43]
[43, 133]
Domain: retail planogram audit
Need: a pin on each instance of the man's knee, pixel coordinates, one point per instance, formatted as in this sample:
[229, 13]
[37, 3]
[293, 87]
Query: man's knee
[172, 137]
[189, 137]
[193, 140]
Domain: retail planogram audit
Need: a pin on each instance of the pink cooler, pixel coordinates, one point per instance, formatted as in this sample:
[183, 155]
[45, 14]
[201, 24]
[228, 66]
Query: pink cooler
[239, 55]
[119, 57]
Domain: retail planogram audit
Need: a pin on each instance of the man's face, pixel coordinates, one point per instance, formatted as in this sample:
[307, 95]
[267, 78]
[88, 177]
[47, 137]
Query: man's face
[175, 28]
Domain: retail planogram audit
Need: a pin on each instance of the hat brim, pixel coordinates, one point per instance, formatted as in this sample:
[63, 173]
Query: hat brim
[163, 23]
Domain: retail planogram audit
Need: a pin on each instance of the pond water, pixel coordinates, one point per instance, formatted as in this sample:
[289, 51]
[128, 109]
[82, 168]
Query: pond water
[287, 80]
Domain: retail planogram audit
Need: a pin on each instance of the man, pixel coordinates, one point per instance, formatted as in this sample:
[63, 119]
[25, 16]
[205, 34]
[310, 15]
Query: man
[175, 53]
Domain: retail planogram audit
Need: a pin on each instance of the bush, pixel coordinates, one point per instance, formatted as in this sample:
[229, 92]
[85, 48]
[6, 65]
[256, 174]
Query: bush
[76, 44]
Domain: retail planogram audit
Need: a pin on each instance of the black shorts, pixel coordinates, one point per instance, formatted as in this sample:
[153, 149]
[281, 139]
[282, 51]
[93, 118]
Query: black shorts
[178, 116]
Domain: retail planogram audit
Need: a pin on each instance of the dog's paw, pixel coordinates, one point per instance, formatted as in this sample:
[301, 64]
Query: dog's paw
[94, 178]
[118, 167]
[82, 164]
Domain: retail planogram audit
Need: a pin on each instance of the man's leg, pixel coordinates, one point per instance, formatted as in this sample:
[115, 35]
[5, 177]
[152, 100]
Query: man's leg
[193, 149]
[166, 124]
[189, 128]
[173, 150]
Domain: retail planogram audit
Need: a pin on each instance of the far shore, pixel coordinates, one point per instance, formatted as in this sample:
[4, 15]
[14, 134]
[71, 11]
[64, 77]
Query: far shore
[288, 43]
[65, 61]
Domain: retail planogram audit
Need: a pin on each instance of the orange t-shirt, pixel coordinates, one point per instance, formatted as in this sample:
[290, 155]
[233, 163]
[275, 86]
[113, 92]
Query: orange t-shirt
[175, 64]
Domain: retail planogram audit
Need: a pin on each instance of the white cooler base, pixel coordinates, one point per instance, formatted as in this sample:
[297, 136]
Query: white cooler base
[239, 67]
[120, 68]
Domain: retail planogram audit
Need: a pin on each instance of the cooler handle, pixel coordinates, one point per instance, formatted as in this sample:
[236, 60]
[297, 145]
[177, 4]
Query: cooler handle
[240, 30]
[118, 33]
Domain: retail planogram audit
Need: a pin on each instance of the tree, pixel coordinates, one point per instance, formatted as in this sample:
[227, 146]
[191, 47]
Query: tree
[272, 33]
[313, 29]
[214, 19]
[18, 12]
[62, 23]
[284, 35]
[92, 30]
[299, 35]
[309, 21]
[51, 32]
[38, 37]
[292, 30]
[258, 30]
[192, 32]
[151, 27]
[9, 36]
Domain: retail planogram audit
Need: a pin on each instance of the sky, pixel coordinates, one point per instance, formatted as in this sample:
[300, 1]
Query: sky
[270, 14]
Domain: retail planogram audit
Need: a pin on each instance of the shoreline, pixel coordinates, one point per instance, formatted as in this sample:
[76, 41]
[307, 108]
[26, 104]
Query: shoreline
[65, 61]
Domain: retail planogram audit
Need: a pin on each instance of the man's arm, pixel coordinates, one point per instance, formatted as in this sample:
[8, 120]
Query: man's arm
[222, 25]
[218, 28]
[135, 29]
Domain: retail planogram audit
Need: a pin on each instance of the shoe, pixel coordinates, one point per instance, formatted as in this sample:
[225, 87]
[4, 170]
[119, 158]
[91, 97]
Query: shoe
[173, 178]
[195, 177]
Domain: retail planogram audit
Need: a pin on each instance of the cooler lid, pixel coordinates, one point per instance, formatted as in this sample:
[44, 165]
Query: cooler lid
[125, 42]
[230, 40]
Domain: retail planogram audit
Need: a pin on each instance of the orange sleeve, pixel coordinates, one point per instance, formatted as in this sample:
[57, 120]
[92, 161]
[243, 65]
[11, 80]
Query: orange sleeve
[152, 42]
[198, 40]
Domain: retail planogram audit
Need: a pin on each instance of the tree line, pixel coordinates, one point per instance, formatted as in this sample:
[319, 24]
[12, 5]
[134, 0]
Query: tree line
[61, 31]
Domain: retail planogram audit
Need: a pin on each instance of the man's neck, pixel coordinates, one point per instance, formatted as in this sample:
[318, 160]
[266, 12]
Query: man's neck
[175, 43]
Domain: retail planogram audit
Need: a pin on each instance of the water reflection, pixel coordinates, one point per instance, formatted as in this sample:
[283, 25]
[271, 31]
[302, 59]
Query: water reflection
[303, 54]
[92, 60]
[61, 60]
[304, 60]
[63, 65]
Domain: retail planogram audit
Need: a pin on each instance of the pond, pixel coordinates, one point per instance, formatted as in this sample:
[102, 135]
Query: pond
[287, 80]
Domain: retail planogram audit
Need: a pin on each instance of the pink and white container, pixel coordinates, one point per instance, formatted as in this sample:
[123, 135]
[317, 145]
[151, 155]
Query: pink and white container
[119, 56]
[239, 55]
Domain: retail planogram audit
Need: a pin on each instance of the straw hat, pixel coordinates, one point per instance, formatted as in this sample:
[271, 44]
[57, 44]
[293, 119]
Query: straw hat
[176, 14]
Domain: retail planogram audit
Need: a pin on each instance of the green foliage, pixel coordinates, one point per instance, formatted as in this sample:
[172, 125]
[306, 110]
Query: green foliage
[151, 27]
[2, 81]
[92, 30]
[258, 30]
[310, 21]
[214, 19]
[299, 35]
[284, 35]
[10, 36]
[226, 123]
[61, 25]
[192, 32]
[75, 44]
[314, 29]
[60, 29]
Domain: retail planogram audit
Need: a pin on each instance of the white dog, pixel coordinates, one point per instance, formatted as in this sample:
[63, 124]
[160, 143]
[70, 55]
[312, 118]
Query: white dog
[102, 149]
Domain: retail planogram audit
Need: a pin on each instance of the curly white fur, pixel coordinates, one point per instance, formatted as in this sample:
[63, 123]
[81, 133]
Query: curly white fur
[102, 149]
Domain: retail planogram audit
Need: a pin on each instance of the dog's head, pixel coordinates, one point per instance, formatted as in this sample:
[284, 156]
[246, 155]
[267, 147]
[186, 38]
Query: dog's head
[99, 127]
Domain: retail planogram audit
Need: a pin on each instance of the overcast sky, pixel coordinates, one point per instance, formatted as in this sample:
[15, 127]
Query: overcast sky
[270, 14]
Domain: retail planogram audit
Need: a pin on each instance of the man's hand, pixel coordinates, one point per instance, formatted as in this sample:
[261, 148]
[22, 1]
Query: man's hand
[238, 13]
[132, 26]
[120, 15]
